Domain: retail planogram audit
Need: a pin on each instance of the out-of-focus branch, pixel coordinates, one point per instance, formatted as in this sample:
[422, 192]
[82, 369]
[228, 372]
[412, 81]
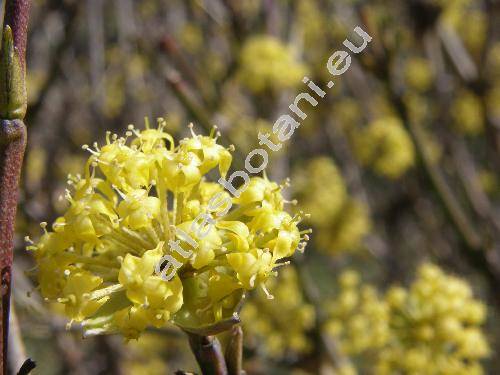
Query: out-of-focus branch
[472, 76]
[458, 54]
[96, 48]
[181, 92]
[70, 13]
[473, 247]
[112, 355]
[198, 113]
[312, 295]
[470, 180]
[208, 353]
[170, 46]
[237, 19]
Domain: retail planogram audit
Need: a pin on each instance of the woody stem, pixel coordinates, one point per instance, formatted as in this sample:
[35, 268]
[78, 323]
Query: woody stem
[12, 146]
[208, 353]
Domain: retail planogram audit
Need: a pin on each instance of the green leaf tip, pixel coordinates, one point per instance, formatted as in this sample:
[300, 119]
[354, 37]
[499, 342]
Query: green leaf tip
[13, 97]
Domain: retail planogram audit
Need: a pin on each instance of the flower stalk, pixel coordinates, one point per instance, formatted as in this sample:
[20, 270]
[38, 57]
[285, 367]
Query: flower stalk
[208, 353]
[234, 352]
[13, 103]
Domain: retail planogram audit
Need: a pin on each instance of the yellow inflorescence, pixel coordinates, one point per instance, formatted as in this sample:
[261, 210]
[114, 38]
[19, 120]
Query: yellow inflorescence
[386, 146]
[467, 113]
[358, 318]
[418, 74]
[341, 221]
[135, 194]
[267, 64]
[280, 325]
[433, 327]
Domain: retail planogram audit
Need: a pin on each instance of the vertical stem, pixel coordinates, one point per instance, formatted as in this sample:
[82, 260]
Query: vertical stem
[12, 144]
[234, 352]
[208, 353]
[16, 16]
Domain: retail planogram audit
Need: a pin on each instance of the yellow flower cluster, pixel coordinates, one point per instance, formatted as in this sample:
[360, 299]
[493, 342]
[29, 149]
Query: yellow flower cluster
[266, 65]
[139, 193]
[433, 327]
[454, 12]
[358, 318]
[418, 74]
[467, 113]
[386, 146]
[340, 220]
[280, 325]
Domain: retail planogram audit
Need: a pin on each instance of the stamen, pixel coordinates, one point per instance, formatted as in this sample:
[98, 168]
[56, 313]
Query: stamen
[213, 131]
[58, 225]
[252, 281]
[278, 265]
[285, 183]
[87, 148]
[120, 193]
[43, 225]
[191, 126]
[269, 295]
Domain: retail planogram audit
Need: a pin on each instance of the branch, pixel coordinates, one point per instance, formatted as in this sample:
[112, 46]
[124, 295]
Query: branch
[208, 353]
[13, 102]
[16, 16]
[234, 352]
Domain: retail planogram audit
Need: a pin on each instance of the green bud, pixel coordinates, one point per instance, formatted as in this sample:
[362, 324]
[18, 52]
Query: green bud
[13, 97]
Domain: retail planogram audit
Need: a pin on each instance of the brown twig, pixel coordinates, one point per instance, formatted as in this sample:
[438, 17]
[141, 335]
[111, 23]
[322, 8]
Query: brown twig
[208, 353]
[234, 352]
[13, 101]
[16, 16]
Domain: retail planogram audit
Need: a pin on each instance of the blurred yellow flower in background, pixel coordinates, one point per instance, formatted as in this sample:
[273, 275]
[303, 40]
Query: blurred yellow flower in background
[341, 221]
[267, 64]
[279, 327]
[386, 146]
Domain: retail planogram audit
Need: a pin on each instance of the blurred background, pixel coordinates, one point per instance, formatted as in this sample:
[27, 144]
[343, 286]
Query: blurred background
[398, 167]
